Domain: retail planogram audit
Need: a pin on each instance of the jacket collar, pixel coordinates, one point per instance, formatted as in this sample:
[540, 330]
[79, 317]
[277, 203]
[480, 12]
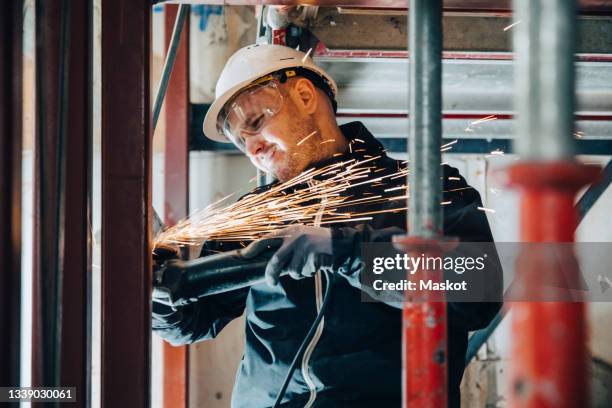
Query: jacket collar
[361, 138]
[362, 145]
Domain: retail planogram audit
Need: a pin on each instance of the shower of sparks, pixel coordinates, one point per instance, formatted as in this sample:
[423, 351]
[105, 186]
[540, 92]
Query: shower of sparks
[316, 193]
[512, 25]
[306, 138]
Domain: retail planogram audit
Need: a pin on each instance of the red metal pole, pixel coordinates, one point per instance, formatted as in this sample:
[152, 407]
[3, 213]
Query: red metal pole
[176, 182]
[424, 348]
[549, 363]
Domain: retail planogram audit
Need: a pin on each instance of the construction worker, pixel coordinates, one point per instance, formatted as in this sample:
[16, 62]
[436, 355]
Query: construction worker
[278, 107]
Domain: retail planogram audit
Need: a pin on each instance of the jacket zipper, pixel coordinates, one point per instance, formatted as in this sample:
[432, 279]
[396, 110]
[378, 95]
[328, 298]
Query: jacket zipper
[315, 339]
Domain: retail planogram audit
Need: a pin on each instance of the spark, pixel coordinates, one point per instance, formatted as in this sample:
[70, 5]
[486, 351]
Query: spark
[448, 146]
[307, 55]
[328, 141]
[396, 188]
[445, 202]
[512, 25]
[359, 140]
[486, 209]
[306, 138]
[455, 178]
[483, 120]
[480, 121]
[496, 152]
[578, 134]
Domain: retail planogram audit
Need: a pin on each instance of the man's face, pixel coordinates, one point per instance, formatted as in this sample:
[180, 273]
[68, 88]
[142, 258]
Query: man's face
[279, 138]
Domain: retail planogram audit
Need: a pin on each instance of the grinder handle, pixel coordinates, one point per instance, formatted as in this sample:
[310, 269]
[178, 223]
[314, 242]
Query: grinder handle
[187, 281]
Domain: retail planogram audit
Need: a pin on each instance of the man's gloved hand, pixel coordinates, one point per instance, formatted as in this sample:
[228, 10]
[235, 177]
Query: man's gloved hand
[304, 251]
[161, 254]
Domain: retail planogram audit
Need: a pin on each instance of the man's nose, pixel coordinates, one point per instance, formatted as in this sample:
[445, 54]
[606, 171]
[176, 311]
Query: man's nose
[254, 144]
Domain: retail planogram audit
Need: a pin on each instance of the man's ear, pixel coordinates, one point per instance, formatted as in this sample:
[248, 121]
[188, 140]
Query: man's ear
[306, 94]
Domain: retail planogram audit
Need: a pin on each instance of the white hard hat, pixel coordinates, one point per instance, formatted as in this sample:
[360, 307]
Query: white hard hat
[248, 64]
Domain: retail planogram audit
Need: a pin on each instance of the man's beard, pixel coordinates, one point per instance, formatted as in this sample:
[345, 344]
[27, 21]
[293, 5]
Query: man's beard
[298, 158]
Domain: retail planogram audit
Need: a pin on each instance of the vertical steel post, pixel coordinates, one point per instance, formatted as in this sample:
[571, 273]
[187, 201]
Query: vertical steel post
[549, 364]
[424, 314]
[76, 277]
[62, 285]
[425, 46]
[176, 179]
[11, 103]
[126, 204]
[45, 318]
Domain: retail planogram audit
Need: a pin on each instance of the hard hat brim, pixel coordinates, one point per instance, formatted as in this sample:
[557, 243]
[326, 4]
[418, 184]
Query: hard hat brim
[209, 125]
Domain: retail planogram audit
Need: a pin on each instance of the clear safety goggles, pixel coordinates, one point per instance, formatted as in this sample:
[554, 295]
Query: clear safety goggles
[249, 112]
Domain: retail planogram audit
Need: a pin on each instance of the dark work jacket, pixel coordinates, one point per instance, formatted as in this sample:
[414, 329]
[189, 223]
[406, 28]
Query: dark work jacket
[357, 359]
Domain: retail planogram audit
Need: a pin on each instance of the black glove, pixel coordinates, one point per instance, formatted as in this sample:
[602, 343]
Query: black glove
[161, 255]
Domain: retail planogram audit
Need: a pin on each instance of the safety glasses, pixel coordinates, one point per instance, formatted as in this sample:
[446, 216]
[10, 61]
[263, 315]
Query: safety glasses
[248, 113]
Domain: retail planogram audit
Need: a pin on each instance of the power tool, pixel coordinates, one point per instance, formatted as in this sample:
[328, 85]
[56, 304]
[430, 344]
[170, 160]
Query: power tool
[185, 282]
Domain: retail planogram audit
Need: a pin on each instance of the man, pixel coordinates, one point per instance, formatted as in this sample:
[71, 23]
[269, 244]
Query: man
[278, 107]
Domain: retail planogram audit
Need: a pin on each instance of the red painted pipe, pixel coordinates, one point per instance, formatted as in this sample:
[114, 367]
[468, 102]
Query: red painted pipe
[549, 356]
[424, 345]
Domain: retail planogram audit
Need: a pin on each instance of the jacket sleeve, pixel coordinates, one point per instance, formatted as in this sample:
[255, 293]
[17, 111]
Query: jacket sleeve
[201, 320]
[462, 219]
